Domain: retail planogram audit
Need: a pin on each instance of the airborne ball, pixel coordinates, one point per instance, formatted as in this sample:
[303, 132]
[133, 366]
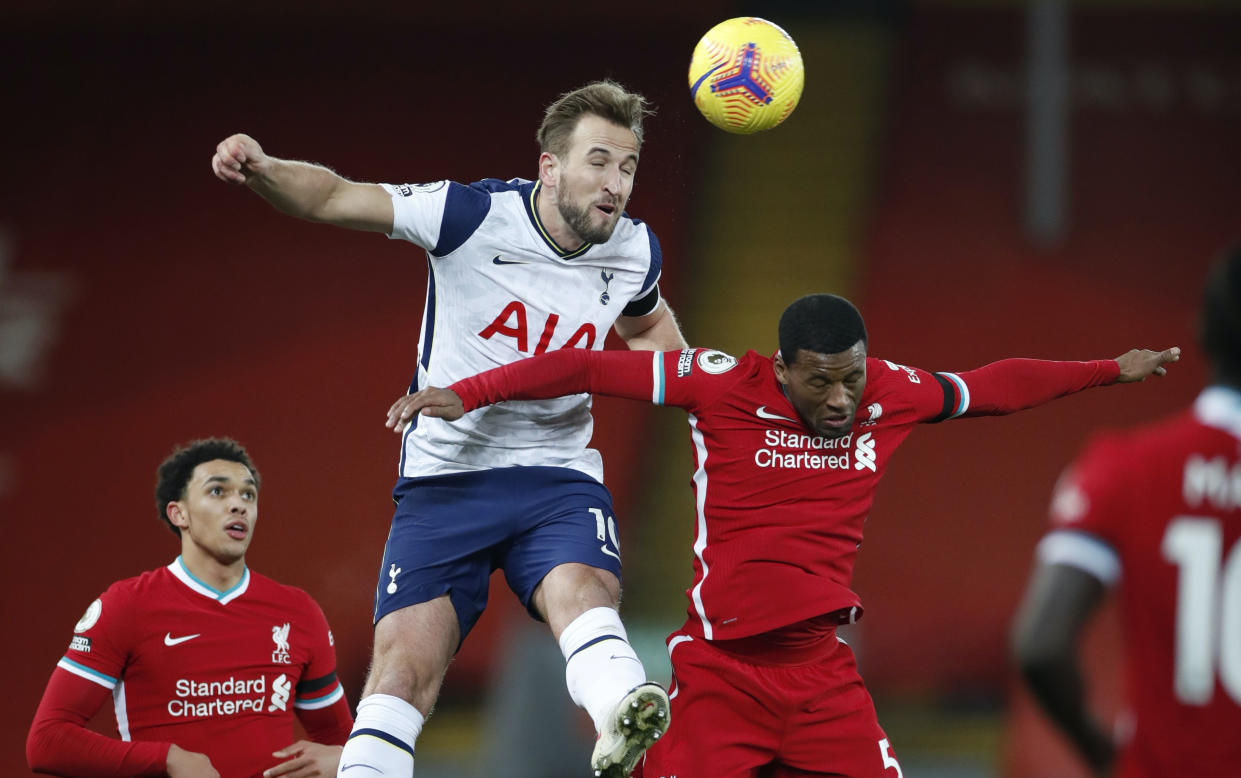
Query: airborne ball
[746, 75]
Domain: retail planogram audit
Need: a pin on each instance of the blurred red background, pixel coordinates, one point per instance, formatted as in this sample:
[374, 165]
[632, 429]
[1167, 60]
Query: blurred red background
[143, 303]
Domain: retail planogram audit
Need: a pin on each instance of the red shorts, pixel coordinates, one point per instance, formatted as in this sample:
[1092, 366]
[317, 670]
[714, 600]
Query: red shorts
[733, 717]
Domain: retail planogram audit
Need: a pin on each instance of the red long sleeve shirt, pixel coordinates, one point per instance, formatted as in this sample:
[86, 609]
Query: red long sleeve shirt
[220, 673]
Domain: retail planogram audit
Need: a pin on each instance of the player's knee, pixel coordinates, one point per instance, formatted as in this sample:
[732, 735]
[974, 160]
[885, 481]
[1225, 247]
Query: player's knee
[413, 647]
[572, 589]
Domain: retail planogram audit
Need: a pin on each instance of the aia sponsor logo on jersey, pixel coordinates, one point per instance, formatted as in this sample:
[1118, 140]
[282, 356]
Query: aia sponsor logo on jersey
[512, 323]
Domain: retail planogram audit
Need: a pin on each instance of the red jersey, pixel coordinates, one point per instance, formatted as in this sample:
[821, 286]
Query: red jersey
[219, 673]
[1159, 511]
[779, 509]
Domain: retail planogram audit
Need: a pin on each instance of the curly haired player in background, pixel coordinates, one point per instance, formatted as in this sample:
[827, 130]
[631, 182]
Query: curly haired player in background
[205, 661]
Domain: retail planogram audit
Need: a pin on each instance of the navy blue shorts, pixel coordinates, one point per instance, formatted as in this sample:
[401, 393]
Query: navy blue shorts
[451, 532]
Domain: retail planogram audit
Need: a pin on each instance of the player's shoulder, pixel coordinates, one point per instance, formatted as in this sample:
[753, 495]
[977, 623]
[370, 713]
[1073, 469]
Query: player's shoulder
[140, 586]
[885, 377]
[1169, 437]
[631, 225]
[499, 186]
[266, 587]
[127, 598]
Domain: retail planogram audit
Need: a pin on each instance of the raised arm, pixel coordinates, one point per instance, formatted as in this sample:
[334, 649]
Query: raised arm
[302, 189]
[1011, 385]
[554, 374]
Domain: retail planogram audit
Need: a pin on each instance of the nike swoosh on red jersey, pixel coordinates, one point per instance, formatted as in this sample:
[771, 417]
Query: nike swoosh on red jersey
[169, 640]
[763, 413]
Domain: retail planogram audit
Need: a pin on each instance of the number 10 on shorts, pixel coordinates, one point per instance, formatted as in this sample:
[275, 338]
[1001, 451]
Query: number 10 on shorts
[605, 530]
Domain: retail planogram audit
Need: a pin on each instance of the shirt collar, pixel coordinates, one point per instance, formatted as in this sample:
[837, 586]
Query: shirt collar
[531, 201]
[178, 569]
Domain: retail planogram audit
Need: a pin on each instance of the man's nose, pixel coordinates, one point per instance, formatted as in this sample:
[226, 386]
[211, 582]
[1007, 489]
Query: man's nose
[612, 181]
[837, 397]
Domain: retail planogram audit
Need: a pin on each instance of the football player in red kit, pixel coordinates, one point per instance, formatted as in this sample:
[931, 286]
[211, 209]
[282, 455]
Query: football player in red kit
[788, 451]
[1156, 513]
[205, 660]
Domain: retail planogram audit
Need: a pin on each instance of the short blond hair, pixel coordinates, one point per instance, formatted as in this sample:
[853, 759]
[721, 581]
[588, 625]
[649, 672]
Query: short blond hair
[605, 99]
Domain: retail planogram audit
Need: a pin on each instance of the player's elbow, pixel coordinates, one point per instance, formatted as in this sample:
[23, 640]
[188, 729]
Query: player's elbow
[40, 752]
[1039, 654]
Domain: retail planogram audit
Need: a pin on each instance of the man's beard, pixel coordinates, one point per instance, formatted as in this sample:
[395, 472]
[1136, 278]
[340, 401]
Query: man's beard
[579, 221]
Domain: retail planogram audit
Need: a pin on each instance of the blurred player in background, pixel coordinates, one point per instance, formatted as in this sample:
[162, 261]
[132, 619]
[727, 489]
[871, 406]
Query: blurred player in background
[516, 268]
[788, 452]
[1156, 513]
[205, 661]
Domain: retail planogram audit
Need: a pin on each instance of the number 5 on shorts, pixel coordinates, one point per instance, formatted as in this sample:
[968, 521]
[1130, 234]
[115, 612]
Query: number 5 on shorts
[888, 760]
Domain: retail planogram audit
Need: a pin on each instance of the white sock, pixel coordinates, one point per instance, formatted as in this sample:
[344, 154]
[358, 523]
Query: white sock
[601, 666]
[382, 739]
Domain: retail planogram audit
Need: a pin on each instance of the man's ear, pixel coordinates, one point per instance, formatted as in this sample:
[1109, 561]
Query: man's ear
[549, 169]
[782, 370]
[177, 515]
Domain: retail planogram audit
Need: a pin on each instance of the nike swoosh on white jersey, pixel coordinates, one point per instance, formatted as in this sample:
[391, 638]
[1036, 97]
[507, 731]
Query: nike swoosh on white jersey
[497, 261]
[169, 640]
[763, 413]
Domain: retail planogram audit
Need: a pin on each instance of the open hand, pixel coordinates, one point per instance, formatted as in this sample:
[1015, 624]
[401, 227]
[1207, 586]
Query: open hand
[188, 764]
[432, 401]
[306, 759]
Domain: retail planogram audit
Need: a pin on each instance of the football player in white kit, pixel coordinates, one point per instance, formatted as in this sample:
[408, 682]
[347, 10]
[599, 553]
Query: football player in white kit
[516, 268]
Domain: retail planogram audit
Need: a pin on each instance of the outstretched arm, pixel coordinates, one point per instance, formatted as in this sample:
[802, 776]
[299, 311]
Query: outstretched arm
[301, 189]
[554, 374]
[1011, 385]
[1058, 602]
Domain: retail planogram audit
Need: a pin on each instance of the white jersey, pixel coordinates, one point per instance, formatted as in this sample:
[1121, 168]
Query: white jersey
[500, 289]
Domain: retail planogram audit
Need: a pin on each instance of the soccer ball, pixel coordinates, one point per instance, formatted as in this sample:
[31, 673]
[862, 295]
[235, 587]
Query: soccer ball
[746, 75]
